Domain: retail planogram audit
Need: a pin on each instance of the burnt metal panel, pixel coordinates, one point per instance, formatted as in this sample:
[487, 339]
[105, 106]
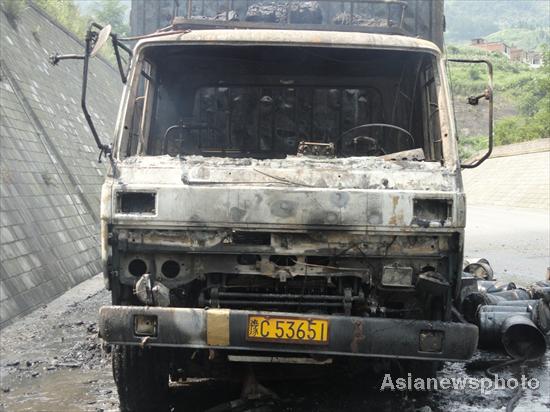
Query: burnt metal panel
[348, 335]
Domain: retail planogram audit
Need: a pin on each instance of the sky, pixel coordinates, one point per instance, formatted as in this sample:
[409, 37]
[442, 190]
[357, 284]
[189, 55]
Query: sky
[86, 5]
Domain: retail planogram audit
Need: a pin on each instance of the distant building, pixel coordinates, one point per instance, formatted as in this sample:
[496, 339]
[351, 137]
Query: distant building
[491, 46]
[516, 55]
[532, 58]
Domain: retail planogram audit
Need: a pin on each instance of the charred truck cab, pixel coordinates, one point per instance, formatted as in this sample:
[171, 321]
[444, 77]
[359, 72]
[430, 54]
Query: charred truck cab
[282, 192]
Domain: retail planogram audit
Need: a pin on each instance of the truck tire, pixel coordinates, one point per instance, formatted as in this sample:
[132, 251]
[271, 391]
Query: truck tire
[141, 377]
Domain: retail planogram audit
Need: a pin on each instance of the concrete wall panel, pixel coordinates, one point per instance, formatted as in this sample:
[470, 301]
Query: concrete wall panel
[50, 180]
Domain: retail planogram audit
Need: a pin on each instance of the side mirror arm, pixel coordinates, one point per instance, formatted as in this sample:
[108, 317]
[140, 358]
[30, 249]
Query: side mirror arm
[474, 100]
[92, 43]
[117, 44]
[104, 149]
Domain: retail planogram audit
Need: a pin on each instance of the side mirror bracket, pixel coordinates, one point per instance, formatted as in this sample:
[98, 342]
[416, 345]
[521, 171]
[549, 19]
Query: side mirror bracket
[474, 101]
[96, 37]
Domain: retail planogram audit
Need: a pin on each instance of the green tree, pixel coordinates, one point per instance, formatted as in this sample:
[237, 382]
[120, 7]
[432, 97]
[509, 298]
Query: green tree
[111, 12]
[67, 13]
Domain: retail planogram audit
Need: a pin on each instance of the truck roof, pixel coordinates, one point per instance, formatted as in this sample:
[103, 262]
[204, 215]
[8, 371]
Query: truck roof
[303, 38]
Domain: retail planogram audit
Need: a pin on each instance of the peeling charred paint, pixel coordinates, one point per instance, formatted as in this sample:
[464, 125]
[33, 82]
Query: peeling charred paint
[356, 192]
[358, 336]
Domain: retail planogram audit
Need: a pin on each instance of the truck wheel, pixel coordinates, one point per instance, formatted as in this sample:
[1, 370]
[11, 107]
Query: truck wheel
[141, 377]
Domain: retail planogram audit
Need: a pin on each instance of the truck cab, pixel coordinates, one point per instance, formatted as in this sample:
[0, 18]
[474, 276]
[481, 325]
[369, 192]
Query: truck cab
[281, 191]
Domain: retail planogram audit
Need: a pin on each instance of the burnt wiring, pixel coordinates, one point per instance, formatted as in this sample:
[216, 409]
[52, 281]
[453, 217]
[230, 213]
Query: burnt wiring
[389, 245]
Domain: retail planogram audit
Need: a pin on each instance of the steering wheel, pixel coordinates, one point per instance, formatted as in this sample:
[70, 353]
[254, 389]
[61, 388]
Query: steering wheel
[357, 134]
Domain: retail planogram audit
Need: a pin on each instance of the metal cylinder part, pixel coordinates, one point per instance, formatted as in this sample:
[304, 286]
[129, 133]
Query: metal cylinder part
[541, 317]
[480, 269]
[473, 301]
[541, 292]
[530, 302]
[516, 294]
[504, 308]
[515, 331]
[522, 339]
[490, 324]
[492, 286]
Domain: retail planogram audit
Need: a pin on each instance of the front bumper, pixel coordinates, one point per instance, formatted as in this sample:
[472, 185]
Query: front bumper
[348, 335]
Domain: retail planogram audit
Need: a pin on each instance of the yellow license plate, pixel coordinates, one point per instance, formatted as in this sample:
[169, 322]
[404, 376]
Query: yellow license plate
[287, 330]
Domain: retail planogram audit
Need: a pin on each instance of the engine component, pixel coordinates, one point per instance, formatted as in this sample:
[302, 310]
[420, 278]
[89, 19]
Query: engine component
[397, 276]
[152, 294]
[432, 283]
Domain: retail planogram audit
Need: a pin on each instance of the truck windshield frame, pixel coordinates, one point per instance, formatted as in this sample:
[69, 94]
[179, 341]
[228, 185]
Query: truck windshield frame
[262, 101]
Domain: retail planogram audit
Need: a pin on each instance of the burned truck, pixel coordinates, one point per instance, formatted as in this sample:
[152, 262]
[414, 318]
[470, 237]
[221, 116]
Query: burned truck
[284, 187]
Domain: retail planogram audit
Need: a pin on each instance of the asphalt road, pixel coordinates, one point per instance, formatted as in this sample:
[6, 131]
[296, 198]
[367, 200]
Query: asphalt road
[51, 360]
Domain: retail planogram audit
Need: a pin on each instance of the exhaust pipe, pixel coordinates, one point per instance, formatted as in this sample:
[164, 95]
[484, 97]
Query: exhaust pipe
[515, 294]
[522, 339]
[541, 292]
[473, 301]
[505, 308]
[471, 284]
[492, 286]
[530, 302]
[489, 326]
[512, 329]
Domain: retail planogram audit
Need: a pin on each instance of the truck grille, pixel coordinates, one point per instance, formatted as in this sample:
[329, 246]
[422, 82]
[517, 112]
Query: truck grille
[298, 294]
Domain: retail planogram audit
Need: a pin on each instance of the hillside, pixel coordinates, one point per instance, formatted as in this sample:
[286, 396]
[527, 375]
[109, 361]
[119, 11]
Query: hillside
[467, 19]
[521, 94]
[526, 39]
[522, 99]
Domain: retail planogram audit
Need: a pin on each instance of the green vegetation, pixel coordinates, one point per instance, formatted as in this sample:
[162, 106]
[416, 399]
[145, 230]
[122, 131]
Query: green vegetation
[104, 12]
[66, 13]
[522, 94]
[526, 89]
[480, 18]
[468, 79]
[526, 39]
[111, 12]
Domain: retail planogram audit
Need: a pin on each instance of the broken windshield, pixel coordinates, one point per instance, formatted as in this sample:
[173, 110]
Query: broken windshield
[265, 101]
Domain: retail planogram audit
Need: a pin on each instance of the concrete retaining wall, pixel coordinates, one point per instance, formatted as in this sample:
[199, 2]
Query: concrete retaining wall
[50, 178]
[516, 175]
